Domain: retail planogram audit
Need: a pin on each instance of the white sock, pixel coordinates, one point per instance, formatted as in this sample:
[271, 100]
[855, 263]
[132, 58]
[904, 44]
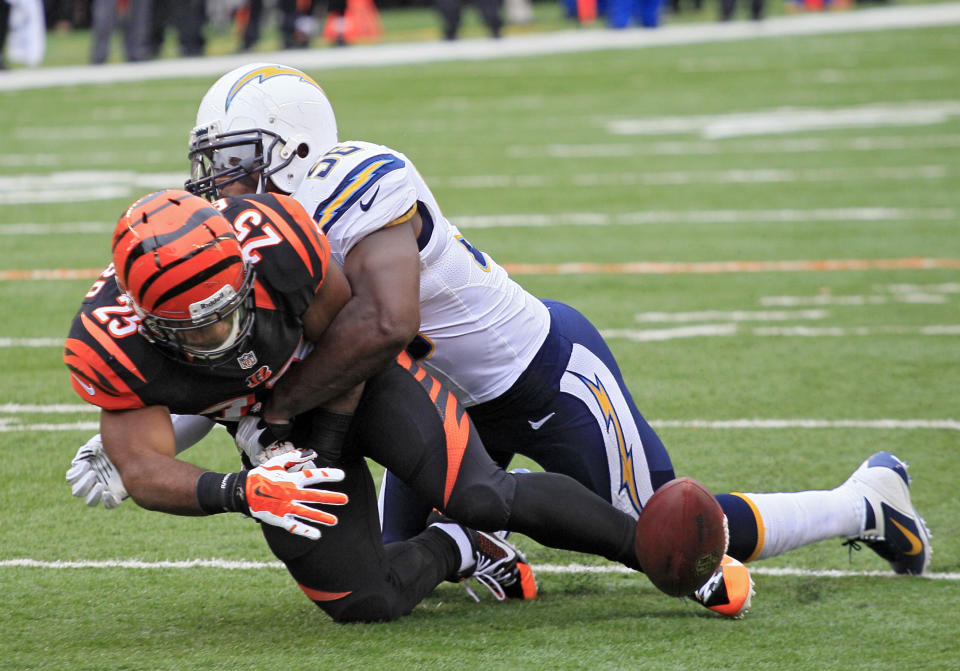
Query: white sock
[796, 519]
[456, 532]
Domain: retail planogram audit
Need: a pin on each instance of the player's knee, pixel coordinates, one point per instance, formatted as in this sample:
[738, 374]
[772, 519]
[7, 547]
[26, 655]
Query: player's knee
[479, 506]
[368, 608]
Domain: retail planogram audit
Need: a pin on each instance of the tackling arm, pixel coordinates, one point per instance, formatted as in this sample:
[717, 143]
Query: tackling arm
[379, 319]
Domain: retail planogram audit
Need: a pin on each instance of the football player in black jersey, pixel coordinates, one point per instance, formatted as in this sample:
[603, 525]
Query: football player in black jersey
[203, 310]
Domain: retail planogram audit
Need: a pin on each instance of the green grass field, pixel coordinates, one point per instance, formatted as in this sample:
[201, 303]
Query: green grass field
[872, 178]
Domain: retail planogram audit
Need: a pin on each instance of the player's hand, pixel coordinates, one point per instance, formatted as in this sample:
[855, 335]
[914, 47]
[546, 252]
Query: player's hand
[279, 494]
[94, 477]
[261, 440]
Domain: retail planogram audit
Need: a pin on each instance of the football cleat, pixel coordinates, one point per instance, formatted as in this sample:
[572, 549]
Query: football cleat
[892, 528]
[500, 567]
[497, 564]
[728, 591]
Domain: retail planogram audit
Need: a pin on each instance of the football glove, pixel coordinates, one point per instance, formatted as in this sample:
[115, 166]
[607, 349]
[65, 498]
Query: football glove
[94, 477]
[261, 440]
[279, 493]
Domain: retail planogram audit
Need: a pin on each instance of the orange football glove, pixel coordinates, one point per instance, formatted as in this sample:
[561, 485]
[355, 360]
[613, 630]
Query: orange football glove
[277, 496]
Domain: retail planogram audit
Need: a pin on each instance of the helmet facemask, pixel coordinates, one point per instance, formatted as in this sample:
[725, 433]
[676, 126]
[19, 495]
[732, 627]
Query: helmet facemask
[218, 159]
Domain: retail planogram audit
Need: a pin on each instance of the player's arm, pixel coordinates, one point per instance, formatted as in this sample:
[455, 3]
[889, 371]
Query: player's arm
[380, 318]
[94, 478]
[142, 445]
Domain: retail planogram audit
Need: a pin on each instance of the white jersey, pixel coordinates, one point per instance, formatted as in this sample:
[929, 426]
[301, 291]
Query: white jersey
[480, 329]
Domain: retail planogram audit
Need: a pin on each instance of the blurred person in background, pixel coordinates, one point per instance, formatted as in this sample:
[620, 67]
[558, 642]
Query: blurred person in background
[4, 26]
[64, 15]
[189, 18]
[134, 16]
[729, 7]
[298, 24]
[645, 13]
[451, 12]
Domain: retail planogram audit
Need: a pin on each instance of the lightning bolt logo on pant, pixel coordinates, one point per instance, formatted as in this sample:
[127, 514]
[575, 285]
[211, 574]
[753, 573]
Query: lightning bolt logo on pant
[609, 414]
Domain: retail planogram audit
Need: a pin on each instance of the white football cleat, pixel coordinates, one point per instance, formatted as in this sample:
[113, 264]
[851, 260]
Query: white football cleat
[892, 527]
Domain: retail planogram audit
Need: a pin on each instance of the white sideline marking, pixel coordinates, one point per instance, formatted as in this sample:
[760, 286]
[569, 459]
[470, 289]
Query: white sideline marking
[791, 215]
[511, 46]
[723, 330]
[766, 146]
[91, 185]
[54, 160]
[681, 178]
[238, 565]
[837, 331]
[8, 424]
[82, 185]
[829, 299]
[54, 409]
[791, 120]
[657, 335]
[885, 424]
[730, 316]
[6, 427]
[31, 342]
[29, 228]
[540, 220]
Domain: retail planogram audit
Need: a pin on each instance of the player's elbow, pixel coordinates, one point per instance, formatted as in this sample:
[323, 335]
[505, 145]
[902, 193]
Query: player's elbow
[394, 329]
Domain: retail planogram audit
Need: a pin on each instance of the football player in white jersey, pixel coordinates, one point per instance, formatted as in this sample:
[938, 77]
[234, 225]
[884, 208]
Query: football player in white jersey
[535, 375]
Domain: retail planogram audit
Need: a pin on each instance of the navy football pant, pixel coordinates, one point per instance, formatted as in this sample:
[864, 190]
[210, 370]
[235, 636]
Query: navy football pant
[570, 412]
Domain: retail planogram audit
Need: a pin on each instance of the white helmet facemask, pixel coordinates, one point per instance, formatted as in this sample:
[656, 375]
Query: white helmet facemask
[259, 123]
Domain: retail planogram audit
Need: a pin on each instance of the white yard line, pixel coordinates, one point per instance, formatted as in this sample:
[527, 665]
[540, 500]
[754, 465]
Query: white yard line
[240, 565]
[74, 227]
[829, 299]
[31, 342]
[732, 329]
[791, 120]
[571, 41]
[730, 316]
[792, 215]
[93, 185]
[686, 177]
[14, 409]
[735, 146]
[882, 424]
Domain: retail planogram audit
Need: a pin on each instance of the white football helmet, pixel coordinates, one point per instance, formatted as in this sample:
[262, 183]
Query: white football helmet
[261, 121]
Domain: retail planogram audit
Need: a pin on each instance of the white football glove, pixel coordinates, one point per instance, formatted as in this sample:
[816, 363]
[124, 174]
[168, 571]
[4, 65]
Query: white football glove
[261, 441]
[94, 477]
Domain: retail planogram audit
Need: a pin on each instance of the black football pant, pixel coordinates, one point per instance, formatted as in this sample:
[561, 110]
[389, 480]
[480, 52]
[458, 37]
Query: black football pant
[410, 424]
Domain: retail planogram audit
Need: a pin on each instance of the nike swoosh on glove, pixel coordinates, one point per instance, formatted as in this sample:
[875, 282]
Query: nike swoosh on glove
[279, 494]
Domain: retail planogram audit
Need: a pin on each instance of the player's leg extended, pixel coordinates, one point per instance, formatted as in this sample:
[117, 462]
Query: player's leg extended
[416, 428]
[872, 506]
[349, 573]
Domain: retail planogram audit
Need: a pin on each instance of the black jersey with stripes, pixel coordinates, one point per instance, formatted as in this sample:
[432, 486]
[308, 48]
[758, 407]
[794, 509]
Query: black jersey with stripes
[114, 365]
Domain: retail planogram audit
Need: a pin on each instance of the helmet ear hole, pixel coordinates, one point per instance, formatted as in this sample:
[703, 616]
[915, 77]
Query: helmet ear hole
[302, 150]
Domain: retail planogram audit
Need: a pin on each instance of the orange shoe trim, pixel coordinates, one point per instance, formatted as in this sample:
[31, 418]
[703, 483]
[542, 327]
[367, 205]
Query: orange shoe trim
[528, 584]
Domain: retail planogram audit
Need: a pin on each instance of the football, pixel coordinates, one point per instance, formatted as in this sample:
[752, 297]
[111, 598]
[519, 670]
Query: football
[681, 536]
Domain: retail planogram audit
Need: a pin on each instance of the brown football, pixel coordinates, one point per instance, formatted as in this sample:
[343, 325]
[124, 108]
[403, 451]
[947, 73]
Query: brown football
[681, 536]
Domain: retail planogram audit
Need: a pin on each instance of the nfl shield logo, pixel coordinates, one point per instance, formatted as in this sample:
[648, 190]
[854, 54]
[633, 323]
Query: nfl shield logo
[248, 360]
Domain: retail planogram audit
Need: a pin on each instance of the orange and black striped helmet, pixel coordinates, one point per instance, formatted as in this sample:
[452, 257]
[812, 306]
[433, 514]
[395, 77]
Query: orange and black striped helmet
[179, 263]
